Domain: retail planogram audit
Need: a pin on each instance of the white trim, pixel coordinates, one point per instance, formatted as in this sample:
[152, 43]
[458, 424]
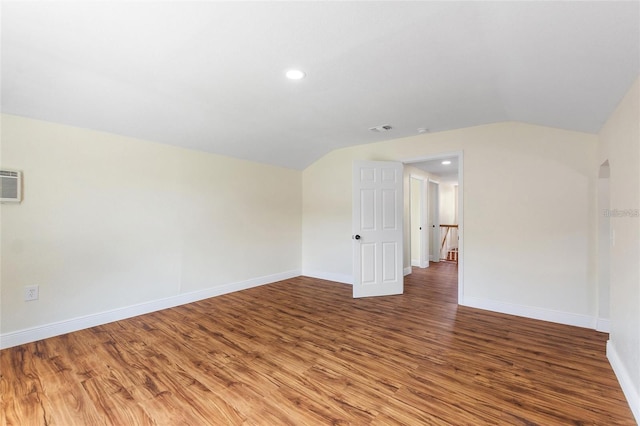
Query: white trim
[626, 383]
[430, 157]
[20, 337]
[418, 264]
[329, 276]
[603, 325]
[460, 214]
[339, 278]
[567, 318]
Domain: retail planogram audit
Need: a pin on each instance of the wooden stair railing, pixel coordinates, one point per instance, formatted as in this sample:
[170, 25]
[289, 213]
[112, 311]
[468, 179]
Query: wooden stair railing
[452, 255]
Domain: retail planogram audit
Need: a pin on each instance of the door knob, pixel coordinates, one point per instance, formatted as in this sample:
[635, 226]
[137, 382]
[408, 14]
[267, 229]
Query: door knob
[357, 237]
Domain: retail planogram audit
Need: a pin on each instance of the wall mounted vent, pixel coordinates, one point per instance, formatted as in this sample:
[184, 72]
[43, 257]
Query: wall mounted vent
[10, 186]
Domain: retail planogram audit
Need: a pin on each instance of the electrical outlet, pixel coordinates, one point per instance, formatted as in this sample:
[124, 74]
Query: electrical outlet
[31, 292]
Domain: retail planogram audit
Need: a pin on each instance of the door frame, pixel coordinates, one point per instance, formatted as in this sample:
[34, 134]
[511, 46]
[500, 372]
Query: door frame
[460, 155]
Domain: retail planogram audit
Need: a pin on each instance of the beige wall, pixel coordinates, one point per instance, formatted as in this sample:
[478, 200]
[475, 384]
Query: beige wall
[620, 145]
[529, 215]
[448, 204]
[109, 222]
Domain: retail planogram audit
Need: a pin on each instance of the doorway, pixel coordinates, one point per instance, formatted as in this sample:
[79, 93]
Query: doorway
[435, 173]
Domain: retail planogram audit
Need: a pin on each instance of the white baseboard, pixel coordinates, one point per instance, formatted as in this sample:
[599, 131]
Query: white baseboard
[339, 278]
[631, 392]
[533, 312]
[416, 262]
[329, 276]
[20, 337]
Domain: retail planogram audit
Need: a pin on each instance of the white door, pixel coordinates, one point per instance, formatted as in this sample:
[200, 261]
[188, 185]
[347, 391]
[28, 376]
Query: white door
[434, 221]
[418, 223]
[377, 228]
[424, 203]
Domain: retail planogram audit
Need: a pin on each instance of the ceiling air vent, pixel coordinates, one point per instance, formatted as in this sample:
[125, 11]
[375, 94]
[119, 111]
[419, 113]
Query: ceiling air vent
[382, 128]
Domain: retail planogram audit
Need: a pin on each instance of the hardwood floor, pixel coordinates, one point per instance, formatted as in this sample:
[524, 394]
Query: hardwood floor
[303, 352]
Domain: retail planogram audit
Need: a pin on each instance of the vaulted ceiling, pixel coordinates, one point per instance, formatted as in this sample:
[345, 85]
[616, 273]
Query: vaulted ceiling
[210, 75]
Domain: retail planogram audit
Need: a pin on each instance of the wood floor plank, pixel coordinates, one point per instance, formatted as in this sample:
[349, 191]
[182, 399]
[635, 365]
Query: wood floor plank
[304, 352]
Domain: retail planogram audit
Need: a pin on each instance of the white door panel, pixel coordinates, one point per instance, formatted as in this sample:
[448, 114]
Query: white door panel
[377, 228]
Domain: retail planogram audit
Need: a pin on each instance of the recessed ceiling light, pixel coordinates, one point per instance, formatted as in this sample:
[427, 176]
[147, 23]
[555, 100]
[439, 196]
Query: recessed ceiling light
[446, 162]
[295, 74]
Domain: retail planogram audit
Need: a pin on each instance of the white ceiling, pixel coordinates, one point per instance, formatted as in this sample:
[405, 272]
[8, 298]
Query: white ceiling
[210, 75]
[446, 173]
